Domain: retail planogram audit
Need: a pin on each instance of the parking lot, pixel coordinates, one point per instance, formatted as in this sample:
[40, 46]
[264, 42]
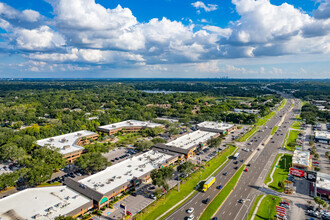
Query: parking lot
[119, 154]
[8, 168]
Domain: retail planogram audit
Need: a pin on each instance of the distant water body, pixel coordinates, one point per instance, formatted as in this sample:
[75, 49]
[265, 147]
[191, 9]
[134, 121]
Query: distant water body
[165, 92]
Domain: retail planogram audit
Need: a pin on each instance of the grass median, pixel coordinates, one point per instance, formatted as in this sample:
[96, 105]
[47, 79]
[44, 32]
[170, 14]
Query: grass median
[281, 172]
[282, 104]
[221, 197]
[254, 207]
[267, 208]
[174, 197]
[261, 122]
[249, 134]
[274, 130]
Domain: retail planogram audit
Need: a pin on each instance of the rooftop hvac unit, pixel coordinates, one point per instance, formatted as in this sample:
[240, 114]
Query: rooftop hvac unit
[63, 140]
[129, 165]
[141, 170]
[130, 174]
[51, 139]
[113, 126]
[67, 198]
[61, 190]
[119, 177]
[65, 147]
[79, 134]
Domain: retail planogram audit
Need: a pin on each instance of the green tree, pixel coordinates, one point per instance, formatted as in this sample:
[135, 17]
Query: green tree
[8, 179]
[143, 145]
[92, 162]
[281, 184]
[50, 156]
[320, 201]
[64, 218]
[12, 152]
[214, 142]
[186, 167]
[157, 140]
[159, 177]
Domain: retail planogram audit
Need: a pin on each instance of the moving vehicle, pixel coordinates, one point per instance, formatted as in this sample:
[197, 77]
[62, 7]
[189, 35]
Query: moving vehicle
[208, 183]
[206, 201]
[219, 187]
[236, 156]
[191, 217]
[190, 210]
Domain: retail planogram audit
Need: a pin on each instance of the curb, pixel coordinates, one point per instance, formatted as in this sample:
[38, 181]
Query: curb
[220, 191]
[274, 168]
[257, 207]
[195, 191]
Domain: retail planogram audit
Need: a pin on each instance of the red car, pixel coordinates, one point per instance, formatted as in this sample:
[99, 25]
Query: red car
[246, 170]
[128, 213]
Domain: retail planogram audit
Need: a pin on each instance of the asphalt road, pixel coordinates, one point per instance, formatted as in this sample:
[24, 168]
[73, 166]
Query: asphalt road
[259, 138]
[247, 188]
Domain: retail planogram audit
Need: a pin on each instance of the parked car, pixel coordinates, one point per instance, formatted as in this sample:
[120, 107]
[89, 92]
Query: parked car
[219, 187]
[225, 173]
[190, 210]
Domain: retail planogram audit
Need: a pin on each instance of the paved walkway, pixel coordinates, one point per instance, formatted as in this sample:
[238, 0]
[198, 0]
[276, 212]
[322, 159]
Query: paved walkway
[257, 207]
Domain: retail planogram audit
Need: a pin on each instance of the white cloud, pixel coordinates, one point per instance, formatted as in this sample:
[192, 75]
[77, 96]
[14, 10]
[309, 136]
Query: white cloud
[86, 23]
[207, 8]
[323, 11]
[224, 32]
[89, 55]
[38, 39]
[10, 13]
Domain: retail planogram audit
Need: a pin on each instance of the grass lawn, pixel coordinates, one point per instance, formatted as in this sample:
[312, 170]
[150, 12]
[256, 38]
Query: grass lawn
[268, 179]
[49, 184]
[249, 134]
[281, 173]
[254, 207]
[274, 130]
[282, 105]
[263, 121]
[267, 208]
[221, 197]
[296, 125]
[293, 135]
[173, 197]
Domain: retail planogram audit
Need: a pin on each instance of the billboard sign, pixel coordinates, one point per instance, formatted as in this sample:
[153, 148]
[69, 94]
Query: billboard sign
[311, 176]
[296, 172]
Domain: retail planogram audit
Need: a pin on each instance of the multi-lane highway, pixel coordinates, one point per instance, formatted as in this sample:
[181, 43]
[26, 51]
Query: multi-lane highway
[246, 188]
[266, 148]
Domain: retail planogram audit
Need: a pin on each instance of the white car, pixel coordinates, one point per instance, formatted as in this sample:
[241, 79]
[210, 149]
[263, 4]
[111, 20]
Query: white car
[190, 210]
[191, 217]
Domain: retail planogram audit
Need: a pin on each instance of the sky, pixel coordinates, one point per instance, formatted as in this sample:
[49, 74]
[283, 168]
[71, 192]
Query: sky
[164, 39]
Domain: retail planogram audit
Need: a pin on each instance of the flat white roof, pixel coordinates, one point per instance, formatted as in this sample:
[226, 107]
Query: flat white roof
[191, 139]
[123, 172]
[65, 142]
[301, 158]
[323, 181]
[130, 123]
[215, 125]
[47, 202]
[322, 135]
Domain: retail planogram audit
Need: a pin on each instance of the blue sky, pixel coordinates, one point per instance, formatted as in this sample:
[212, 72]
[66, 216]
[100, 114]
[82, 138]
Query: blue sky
[165, 38]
